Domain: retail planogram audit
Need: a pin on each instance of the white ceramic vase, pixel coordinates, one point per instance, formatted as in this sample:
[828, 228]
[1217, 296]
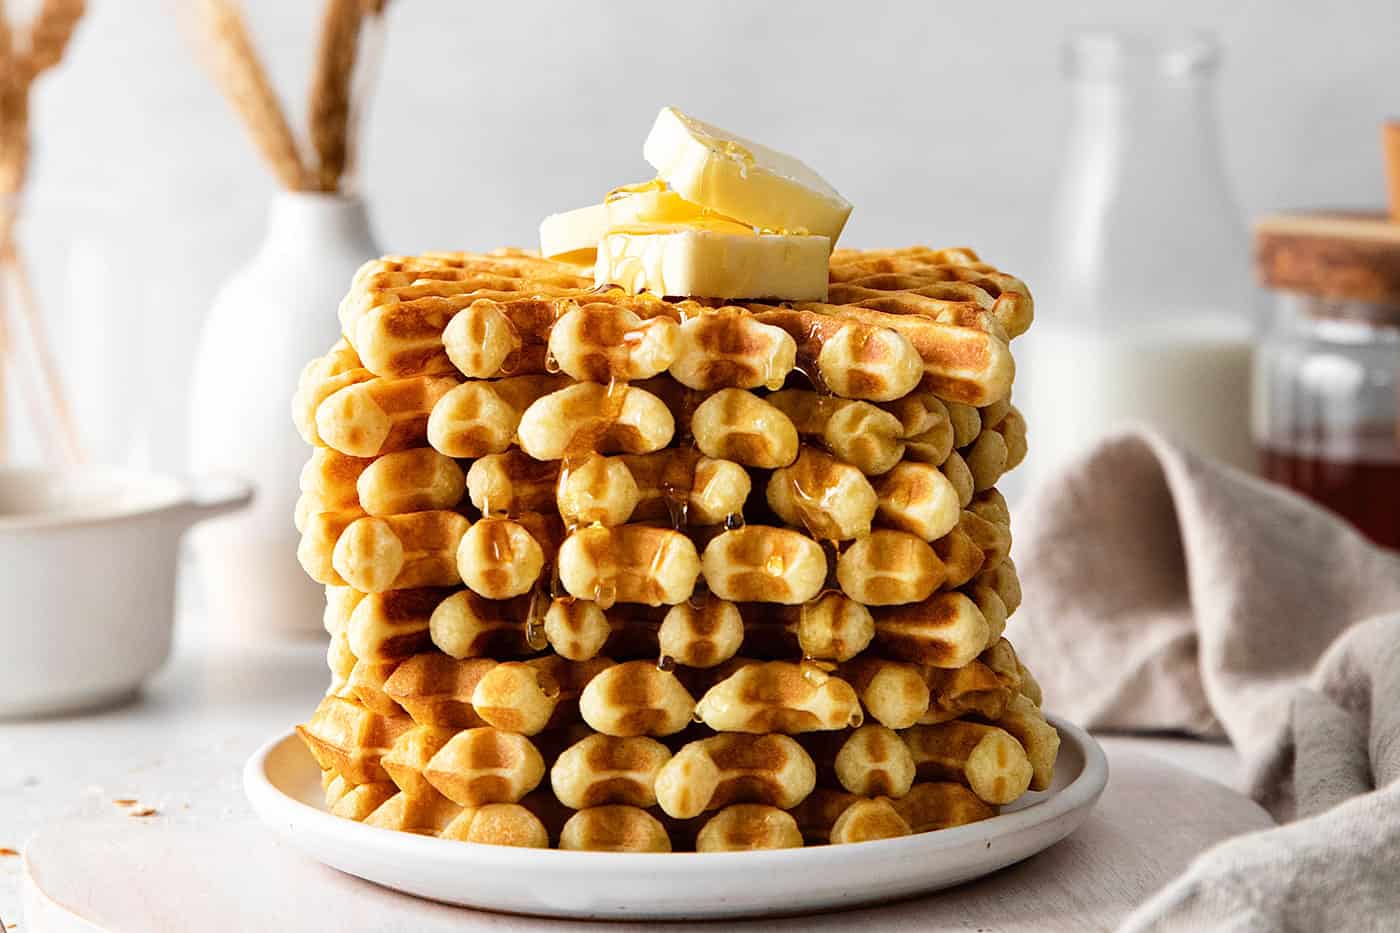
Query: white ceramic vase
[268, 321]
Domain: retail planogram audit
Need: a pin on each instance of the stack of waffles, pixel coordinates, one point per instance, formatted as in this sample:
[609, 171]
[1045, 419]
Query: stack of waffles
[617, 572]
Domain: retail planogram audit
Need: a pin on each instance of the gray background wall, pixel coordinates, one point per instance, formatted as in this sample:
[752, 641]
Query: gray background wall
[941, 121]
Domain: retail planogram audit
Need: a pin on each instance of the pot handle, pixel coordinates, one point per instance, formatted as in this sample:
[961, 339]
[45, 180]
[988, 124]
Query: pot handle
[217, 494]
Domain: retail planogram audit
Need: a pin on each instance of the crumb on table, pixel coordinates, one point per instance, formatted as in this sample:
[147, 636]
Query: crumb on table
[125, 801]
[144, 811]
[6, 850]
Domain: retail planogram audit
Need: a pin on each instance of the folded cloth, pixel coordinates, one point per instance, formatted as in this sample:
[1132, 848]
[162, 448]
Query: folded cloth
[1167, 592]
[1164, 591]
[1338, 867]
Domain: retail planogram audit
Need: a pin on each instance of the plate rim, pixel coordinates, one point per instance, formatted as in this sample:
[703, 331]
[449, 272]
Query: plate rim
[268, 800]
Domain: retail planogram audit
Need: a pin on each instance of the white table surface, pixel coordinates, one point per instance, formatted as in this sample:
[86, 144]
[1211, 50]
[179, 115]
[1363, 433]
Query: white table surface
[179, 749]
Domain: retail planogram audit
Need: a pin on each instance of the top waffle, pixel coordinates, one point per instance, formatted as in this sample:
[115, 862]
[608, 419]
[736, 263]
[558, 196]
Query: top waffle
[895, 321]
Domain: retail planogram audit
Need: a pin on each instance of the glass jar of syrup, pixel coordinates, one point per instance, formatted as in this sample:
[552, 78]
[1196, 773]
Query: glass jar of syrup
[1326, 418]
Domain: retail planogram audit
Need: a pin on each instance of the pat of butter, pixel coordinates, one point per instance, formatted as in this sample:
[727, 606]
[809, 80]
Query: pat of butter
[573, 235]
[741, 179]
[651, 202]
[713, 258]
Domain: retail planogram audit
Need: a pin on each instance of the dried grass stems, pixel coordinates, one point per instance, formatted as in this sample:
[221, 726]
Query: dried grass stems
[24, 55]
[1390, 148]
[346, 27]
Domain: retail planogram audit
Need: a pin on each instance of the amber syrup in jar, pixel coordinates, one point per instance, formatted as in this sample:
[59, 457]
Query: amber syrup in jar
[1362, 486]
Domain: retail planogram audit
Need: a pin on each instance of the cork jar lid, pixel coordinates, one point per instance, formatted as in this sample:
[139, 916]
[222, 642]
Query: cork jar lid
[1337, 255]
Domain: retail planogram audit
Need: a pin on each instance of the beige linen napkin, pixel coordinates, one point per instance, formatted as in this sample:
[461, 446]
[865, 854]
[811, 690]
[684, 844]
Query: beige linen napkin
[1337, 868]
[1164, 591]
[1168, 592]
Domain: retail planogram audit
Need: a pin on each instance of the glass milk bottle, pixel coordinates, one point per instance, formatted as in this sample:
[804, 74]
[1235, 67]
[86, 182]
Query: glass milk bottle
[1144, 311]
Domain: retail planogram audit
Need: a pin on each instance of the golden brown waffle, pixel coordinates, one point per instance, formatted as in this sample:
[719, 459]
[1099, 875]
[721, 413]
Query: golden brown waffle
[748, 826]
[481, 315]
[712, 773]
[917, 268]
[350, 741]
[779, 696]
[502, 824]
[626, 573]
[927, 806]
[867, 821]
[988, 759]
[614, 828]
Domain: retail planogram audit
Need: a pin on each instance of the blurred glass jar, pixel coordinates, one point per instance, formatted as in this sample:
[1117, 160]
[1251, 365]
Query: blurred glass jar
[1327, 374]
[1145, 311]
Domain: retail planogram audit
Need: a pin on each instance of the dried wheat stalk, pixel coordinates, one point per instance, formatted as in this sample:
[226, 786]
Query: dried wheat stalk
[349, 28]
[240, 75]
[49, 34]
[14, 124]
[47, 39]
[1390, 147]
[329, 116]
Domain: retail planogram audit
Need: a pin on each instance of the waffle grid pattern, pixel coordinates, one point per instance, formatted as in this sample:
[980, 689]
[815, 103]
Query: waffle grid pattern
[615, 572]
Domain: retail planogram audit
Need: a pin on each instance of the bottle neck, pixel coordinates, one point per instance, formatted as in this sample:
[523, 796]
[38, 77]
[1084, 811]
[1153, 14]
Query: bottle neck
[1150, 132]
[1145, 223]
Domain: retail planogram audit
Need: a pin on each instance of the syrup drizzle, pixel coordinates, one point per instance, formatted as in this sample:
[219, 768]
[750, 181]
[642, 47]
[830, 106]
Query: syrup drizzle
[535, 636]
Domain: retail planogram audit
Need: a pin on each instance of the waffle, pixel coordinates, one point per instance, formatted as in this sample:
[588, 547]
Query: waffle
[733, 424]
[636, 698]
[622, 573]
[867, 821]
[604, 769]
[502, 824]
[747, 826]
[707, 632]
[426, 315]
[395, 552]
[350, 741]
[709, 774]
[917, 267]
[830, 498]
[779, 696]
[393, 625]
[988, 759]
[614, 828]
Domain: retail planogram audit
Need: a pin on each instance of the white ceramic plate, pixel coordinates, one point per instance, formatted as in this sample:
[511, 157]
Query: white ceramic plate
[283, 784]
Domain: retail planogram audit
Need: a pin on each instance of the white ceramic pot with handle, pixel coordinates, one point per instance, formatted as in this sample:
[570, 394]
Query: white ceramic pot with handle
[87, 569]
[271, 319]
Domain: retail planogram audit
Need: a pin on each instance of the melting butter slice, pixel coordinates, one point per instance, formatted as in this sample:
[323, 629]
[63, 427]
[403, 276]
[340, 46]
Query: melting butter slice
[653, 202]
[741, 179]
[713, 258]
[573, 235]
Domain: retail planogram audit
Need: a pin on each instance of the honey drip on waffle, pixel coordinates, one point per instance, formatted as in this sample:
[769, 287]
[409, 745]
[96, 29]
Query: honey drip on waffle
[812, 371]
[511, 363]
[700, 595]
[535, 637]
[814, 503]
[583, 445]
[676, 482]
[556, 586]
